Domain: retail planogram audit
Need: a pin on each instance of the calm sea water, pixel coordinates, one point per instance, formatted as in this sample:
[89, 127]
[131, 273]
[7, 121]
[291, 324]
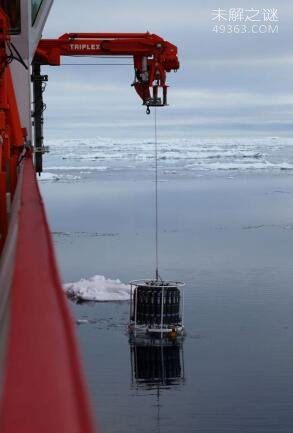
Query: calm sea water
[231, 239]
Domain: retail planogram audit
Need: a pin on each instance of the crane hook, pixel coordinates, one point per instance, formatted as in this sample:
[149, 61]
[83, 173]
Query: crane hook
[148, 111]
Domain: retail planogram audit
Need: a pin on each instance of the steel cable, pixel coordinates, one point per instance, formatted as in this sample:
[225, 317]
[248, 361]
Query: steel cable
[156, 199]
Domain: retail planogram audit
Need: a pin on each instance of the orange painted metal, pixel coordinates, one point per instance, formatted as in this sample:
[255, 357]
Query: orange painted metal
[153, 56]
[12, 137]
[3, 209]
[43, 388]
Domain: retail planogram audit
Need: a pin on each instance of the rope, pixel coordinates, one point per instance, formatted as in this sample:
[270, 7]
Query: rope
[156, 198]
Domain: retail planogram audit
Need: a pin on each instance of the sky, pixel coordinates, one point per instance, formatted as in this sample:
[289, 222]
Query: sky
[228, 84]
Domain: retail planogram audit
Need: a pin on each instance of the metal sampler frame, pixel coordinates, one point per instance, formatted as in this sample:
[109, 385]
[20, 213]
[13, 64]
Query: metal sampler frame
[160, 330]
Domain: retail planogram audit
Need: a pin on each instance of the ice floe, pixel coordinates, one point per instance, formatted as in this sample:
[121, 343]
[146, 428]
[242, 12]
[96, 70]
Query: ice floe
[88, 157]
[47, 176]
[97, 288]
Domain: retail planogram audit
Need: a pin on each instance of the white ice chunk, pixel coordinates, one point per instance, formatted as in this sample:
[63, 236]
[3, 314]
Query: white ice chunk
[47, 176]
[98, 288]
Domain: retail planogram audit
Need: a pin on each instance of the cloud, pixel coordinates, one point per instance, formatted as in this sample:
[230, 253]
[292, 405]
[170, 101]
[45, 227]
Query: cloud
[228, 83]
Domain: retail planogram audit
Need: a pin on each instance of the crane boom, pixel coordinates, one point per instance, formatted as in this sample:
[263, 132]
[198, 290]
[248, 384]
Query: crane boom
[152, 56]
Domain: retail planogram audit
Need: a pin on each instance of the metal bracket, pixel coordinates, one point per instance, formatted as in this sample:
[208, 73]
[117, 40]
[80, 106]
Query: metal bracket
[39, 78]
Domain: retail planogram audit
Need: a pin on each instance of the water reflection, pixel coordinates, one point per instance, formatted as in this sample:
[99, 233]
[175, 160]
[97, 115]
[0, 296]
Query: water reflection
[156, 363]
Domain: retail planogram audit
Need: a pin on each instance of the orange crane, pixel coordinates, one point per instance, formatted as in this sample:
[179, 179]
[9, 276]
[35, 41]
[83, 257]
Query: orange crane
[153, 58]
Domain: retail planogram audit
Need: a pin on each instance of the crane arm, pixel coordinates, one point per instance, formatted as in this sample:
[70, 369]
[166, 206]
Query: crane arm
[153, 57]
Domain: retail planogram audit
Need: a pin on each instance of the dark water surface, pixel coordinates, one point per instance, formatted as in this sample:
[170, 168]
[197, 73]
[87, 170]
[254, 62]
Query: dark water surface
[231, 240]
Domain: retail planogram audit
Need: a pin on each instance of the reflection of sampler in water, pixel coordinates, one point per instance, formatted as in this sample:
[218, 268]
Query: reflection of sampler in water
[153, 365]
